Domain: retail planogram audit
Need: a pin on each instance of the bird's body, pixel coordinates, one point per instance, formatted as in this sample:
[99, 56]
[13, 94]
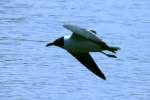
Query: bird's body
[80, 43]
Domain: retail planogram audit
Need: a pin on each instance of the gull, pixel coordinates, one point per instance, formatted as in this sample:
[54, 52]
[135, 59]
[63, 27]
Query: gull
[80, 43]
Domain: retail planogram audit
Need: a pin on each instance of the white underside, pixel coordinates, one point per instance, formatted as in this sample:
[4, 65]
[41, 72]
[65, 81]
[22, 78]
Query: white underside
[81, 46]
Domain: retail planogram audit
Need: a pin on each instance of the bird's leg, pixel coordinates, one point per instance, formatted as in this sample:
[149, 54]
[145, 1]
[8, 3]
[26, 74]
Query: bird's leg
[109, 55]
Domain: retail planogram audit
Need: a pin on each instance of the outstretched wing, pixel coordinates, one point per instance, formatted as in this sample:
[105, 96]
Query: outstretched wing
[88, 62]
[82, 32]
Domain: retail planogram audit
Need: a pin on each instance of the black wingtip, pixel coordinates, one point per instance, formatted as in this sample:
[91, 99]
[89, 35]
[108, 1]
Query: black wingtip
[112, 56]
[103, 77]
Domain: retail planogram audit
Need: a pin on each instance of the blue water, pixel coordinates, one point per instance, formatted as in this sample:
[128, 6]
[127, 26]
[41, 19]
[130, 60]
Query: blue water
[30, 71]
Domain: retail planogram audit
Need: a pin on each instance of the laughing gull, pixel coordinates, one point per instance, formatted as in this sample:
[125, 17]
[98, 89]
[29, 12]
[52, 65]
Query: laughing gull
[80, 43]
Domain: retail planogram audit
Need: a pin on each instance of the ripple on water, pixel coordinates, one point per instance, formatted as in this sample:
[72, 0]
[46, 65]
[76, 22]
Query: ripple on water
[30, 71]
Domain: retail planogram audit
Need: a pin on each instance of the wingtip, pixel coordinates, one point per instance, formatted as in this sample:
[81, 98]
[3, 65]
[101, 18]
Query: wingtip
[104, 78]
[66, 25]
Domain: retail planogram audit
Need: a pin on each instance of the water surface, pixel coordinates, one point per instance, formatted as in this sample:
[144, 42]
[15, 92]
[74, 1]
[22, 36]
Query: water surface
[30, 71]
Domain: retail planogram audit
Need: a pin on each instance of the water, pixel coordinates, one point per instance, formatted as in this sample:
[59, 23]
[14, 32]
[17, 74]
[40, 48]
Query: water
[30, 71]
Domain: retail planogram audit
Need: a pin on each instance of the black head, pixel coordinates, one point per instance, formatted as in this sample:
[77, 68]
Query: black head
[58, 42]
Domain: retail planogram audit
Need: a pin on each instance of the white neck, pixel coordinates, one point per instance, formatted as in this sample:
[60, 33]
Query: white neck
[67, 37]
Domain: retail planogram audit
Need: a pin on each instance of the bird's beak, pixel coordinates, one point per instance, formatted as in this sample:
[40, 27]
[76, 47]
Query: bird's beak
[49, 44]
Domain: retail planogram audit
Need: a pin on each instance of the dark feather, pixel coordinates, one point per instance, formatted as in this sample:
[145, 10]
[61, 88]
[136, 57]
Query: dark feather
[88, 62]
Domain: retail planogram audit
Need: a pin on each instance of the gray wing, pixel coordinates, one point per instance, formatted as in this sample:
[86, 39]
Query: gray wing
[83, 33]
[89, 63]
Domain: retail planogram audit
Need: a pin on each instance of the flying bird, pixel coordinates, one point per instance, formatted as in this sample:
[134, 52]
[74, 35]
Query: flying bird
[80, 43]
